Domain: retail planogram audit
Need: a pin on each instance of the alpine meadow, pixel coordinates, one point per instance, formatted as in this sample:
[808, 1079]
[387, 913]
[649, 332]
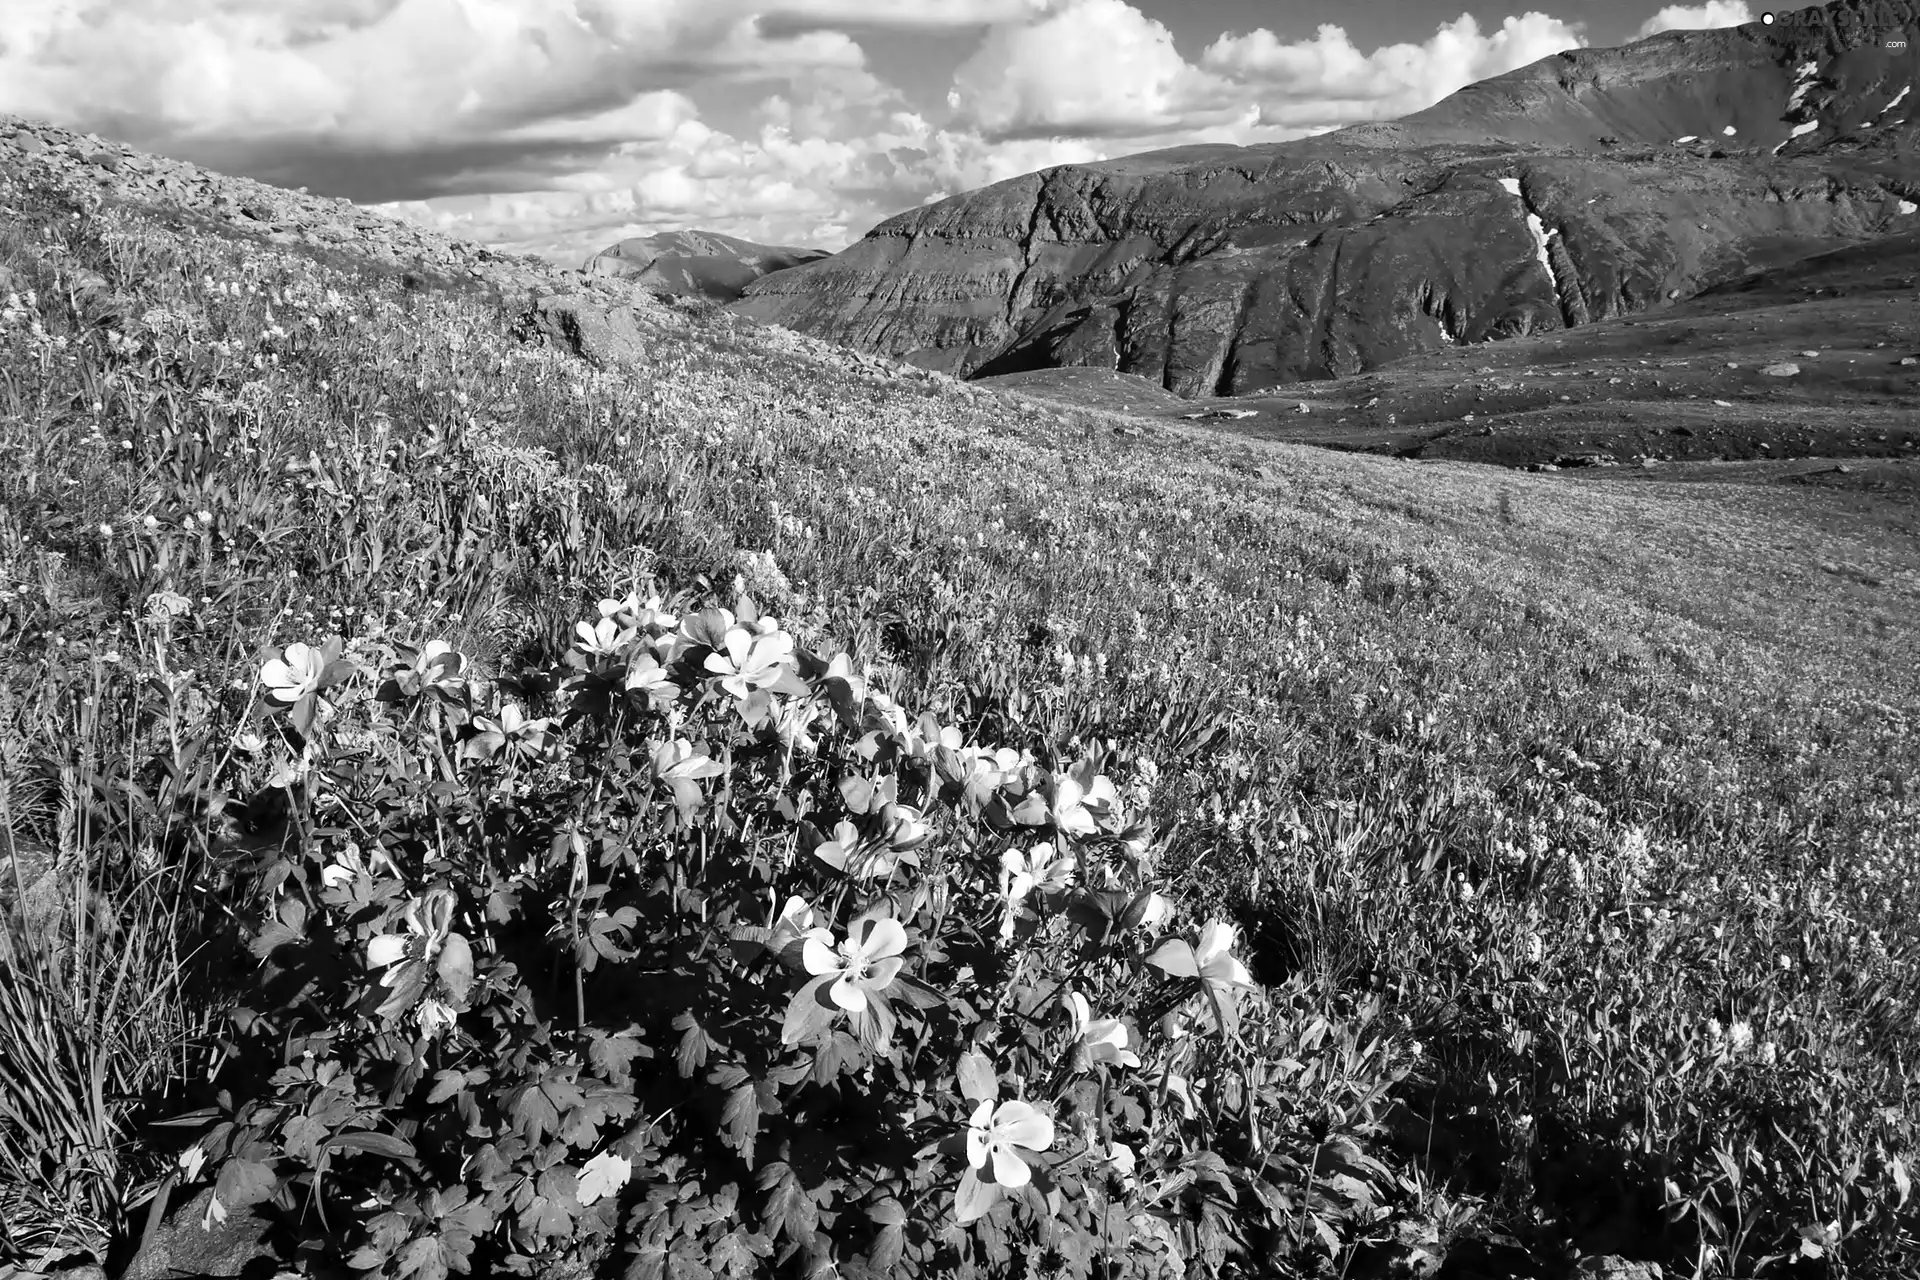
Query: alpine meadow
[724, 805]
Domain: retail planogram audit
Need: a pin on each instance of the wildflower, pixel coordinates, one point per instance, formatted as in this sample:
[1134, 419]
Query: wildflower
[1081, 801]
[513, 730]
[437, 666]
[1221, 975]
[993, 1133]
[844, 854]
[1157, 911]
[346, 867]
[1104, 1039]
[647, 677]
[863, 965]
[1740, 1036]
[1043, 867]
[603, 639]
[428, 948]
[795, 921]
[167, 604]
[1021, 873]
[1210, 961]
[294, 676]
[903, 827]
[680, 767]
[750, 661]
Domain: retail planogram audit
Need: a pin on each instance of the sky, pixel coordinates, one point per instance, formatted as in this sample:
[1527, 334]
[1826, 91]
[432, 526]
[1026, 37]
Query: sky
[558, 127]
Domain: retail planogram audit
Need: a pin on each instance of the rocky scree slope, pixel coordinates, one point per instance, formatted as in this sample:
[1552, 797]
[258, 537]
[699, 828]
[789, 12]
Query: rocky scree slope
[696, 264]
[1589, 185]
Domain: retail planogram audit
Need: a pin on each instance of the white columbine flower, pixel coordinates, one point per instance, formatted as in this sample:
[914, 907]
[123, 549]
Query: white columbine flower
[294, 676]
[994, 1132]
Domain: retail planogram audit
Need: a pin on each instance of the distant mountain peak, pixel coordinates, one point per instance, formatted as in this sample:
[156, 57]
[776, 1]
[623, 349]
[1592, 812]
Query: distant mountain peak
[703, 264]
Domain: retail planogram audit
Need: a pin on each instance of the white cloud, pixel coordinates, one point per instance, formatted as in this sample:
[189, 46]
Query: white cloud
[1328, 81]
[1091, 67]
[557, 126]
[1696, 17]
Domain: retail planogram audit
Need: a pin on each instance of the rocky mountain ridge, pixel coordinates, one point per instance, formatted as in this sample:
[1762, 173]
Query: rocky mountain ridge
[696, 264]
[1591, 184]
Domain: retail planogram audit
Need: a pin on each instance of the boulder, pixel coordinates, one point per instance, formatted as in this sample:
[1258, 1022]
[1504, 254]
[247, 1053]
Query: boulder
[187, 1245]
[596, 331]
[1616, 1268]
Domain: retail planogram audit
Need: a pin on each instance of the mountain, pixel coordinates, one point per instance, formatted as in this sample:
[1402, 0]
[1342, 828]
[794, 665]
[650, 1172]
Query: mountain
[699, 264]
[1591, 184]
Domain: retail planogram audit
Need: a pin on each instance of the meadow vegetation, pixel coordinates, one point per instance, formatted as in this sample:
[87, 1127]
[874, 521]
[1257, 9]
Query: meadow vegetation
[751, 814]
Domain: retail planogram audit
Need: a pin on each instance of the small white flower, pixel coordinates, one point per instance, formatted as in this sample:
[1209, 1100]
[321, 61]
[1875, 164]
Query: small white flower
[993, 1133]
[293, 677]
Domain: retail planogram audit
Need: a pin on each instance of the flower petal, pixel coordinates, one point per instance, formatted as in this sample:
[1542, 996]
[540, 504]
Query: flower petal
[847, 994]
[1079, 1011]
[1175, 956]
[1216, 937]
[881, 973]
[1009, 1170]
[1020, 1124]
[386, 949]
[1227, 971]
[883, 938]
[818, 955]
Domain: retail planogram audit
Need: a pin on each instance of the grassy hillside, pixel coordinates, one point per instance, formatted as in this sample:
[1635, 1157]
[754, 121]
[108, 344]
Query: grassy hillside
[1567, 831]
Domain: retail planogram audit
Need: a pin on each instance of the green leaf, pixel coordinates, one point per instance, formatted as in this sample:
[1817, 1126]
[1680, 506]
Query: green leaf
[380, 1144]
[302, 1137]
[445, 1085]
[788, 1209]
[737, 1253]
[888, 1248]
[425, 1257]
[612, 1055]
[243, 1183]
[694, 1043]
[741, 1120]
[978, 1081]
[809, 1012]
[553, 1208]
[974, 1199]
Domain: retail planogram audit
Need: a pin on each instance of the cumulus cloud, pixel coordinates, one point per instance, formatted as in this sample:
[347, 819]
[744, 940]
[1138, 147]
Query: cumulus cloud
[1697, 17]
[1091, 68]
[557, 126]
[1328, 81]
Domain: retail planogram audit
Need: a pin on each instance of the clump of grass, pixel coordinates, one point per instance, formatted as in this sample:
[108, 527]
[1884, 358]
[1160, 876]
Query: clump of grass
[1571, 796]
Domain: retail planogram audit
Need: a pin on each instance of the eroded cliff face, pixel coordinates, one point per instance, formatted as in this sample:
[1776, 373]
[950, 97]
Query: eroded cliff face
[1580, 188]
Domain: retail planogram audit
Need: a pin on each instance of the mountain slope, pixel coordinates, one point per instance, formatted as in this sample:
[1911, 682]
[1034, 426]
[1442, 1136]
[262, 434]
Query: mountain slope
[1585, 186]
[699, 264]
